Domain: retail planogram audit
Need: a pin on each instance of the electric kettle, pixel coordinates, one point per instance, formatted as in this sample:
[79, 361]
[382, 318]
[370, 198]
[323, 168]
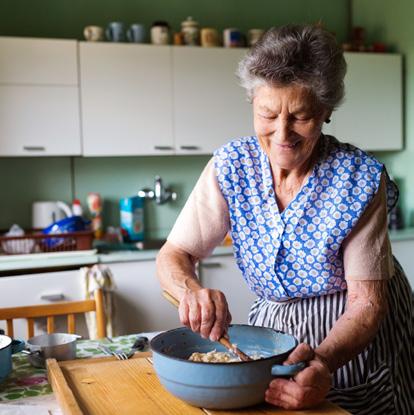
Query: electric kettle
[44, 213]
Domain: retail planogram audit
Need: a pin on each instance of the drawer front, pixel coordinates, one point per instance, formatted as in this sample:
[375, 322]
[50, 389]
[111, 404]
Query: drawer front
[40, 289]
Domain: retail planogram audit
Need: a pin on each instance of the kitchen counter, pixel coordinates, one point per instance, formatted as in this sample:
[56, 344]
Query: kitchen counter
[75, 259]
[19, 264]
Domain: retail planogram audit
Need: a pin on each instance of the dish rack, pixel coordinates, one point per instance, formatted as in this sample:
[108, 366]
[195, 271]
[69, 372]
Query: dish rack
[36, 242]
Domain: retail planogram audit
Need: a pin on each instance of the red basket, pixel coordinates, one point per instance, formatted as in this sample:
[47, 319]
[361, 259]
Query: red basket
[35, 242]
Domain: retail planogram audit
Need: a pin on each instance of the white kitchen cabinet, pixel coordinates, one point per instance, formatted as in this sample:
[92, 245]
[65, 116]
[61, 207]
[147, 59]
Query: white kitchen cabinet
[39, 97]
[29, 61]
[39, 121]
[371, 115]
[210, 107]
[41, 288]
[403, 250]
[126, 99]
[222, 273]
[140, 306]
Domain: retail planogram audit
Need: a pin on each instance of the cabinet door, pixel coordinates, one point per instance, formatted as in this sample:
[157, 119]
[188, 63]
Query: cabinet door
[38, 61]
[210, 108]
[39, 97]
[371, 115]
[222, 273]
[139, 303]
[126, 99]
[39, 120]
[41, 288]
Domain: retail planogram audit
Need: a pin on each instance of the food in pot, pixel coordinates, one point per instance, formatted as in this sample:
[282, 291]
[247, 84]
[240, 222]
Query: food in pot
[218, 357]
[213, 357]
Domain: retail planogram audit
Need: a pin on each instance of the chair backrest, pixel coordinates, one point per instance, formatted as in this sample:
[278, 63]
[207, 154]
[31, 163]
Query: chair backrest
[68, 308]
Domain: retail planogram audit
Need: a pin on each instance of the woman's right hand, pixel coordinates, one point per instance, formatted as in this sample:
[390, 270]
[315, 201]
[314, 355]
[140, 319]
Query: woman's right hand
[205, 311]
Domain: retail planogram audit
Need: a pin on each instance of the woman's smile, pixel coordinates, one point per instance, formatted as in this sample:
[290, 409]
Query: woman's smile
[288, 123]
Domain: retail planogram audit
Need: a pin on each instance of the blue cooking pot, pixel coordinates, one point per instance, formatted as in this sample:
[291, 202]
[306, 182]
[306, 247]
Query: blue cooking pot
[222, 385]
[7, 348]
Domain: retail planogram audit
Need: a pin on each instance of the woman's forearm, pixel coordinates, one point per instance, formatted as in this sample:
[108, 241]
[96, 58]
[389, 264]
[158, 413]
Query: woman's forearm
[355, 329]
[176, 271]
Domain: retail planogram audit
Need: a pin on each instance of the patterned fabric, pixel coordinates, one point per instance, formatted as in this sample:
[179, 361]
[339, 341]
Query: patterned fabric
[295, 253]
[379, 381]
[27, 381]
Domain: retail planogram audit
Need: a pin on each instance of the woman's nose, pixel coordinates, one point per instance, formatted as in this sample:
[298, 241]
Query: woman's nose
[282, 129]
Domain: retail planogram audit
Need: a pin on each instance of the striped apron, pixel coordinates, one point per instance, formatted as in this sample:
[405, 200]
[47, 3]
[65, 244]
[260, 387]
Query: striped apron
[380, 380]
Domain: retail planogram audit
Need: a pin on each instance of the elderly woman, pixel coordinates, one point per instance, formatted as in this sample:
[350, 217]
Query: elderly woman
[308, 220]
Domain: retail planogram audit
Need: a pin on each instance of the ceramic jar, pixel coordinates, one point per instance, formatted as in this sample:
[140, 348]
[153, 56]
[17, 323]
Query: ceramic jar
[160, 33]
[191, 32]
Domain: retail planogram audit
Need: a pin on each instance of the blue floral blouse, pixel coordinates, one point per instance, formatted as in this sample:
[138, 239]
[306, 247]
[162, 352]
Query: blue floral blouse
[296, 252]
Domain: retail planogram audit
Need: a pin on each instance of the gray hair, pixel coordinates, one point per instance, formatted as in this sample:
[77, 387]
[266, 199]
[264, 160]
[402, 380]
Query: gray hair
[295, 54]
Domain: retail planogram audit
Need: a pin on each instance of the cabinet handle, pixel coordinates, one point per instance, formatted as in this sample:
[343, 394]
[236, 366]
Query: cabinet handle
[210, 264]
[52, 297]
[34, 148]
[190, 148]
[163, 148]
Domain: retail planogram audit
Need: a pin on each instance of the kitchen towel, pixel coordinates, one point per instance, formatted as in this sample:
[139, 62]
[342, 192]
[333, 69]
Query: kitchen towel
[99, 276]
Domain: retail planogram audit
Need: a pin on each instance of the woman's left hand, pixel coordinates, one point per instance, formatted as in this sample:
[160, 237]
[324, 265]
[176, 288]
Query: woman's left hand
[308, 388]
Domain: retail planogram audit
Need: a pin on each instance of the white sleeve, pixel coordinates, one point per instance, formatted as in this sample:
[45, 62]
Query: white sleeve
[204, 219]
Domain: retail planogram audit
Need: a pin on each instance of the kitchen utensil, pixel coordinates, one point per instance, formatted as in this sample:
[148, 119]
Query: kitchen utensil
[139, 345]
[119, 354]
[45, 213]
[8, 347]
[222, 385]
[104, 386]
[60, 346]
[225, 342]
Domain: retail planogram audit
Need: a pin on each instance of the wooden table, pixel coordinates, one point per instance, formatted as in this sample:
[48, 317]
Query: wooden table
[109, 386]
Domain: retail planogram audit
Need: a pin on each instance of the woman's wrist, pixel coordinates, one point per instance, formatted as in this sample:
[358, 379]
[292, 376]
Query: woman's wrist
[325, 360]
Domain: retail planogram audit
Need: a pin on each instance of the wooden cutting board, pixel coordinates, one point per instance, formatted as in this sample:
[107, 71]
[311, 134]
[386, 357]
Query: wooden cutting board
[106, 386]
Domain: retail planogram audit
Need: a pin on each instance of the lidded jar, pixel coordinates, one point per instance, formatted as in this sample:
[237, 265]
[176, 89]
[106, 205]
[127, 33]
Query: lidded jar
[191, 32]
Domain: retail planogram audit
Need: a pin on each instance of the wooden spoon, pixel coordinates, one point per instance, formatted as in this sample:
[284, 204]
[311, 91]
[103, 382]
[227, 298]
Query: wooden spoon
[225, 342]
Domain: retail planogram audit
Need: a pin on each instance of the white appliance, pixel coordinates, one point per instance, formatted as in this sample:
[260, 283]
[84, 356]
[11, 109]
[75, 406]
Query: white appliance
[44, 213]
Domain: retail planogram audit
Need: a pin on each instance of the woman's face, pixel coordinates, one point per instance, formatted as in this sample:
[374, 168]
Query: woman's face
[288, 123]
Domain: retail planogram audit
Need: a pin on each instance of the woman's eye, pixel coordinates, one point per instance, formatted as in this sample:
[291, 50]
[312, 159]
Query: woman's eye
[301, 119]
[268, 117]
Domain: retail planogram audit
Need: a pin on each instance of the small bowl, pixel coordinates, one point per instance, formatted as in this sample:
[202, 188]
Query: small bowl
[59, 346]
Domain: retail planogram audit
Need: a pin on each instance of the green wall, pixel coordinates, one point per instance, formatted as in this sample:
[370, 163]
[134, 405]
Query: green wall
[391, 22]
[23, 180]
[66, 18]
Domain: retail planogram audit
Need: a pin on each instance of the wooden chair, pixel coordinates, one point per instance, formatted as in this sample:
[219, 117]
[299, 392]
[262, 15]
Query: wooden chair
[68, 308]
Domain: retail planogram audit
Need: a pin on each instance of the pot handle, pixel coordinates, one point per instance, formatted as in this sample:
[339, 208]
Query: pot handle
[288, 370]
[17, 346]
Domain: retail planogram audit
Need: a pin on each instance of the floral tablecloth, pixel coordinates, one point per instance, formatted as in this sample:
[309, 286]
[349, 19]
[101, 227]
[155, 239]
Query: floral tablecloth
[27, 381]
